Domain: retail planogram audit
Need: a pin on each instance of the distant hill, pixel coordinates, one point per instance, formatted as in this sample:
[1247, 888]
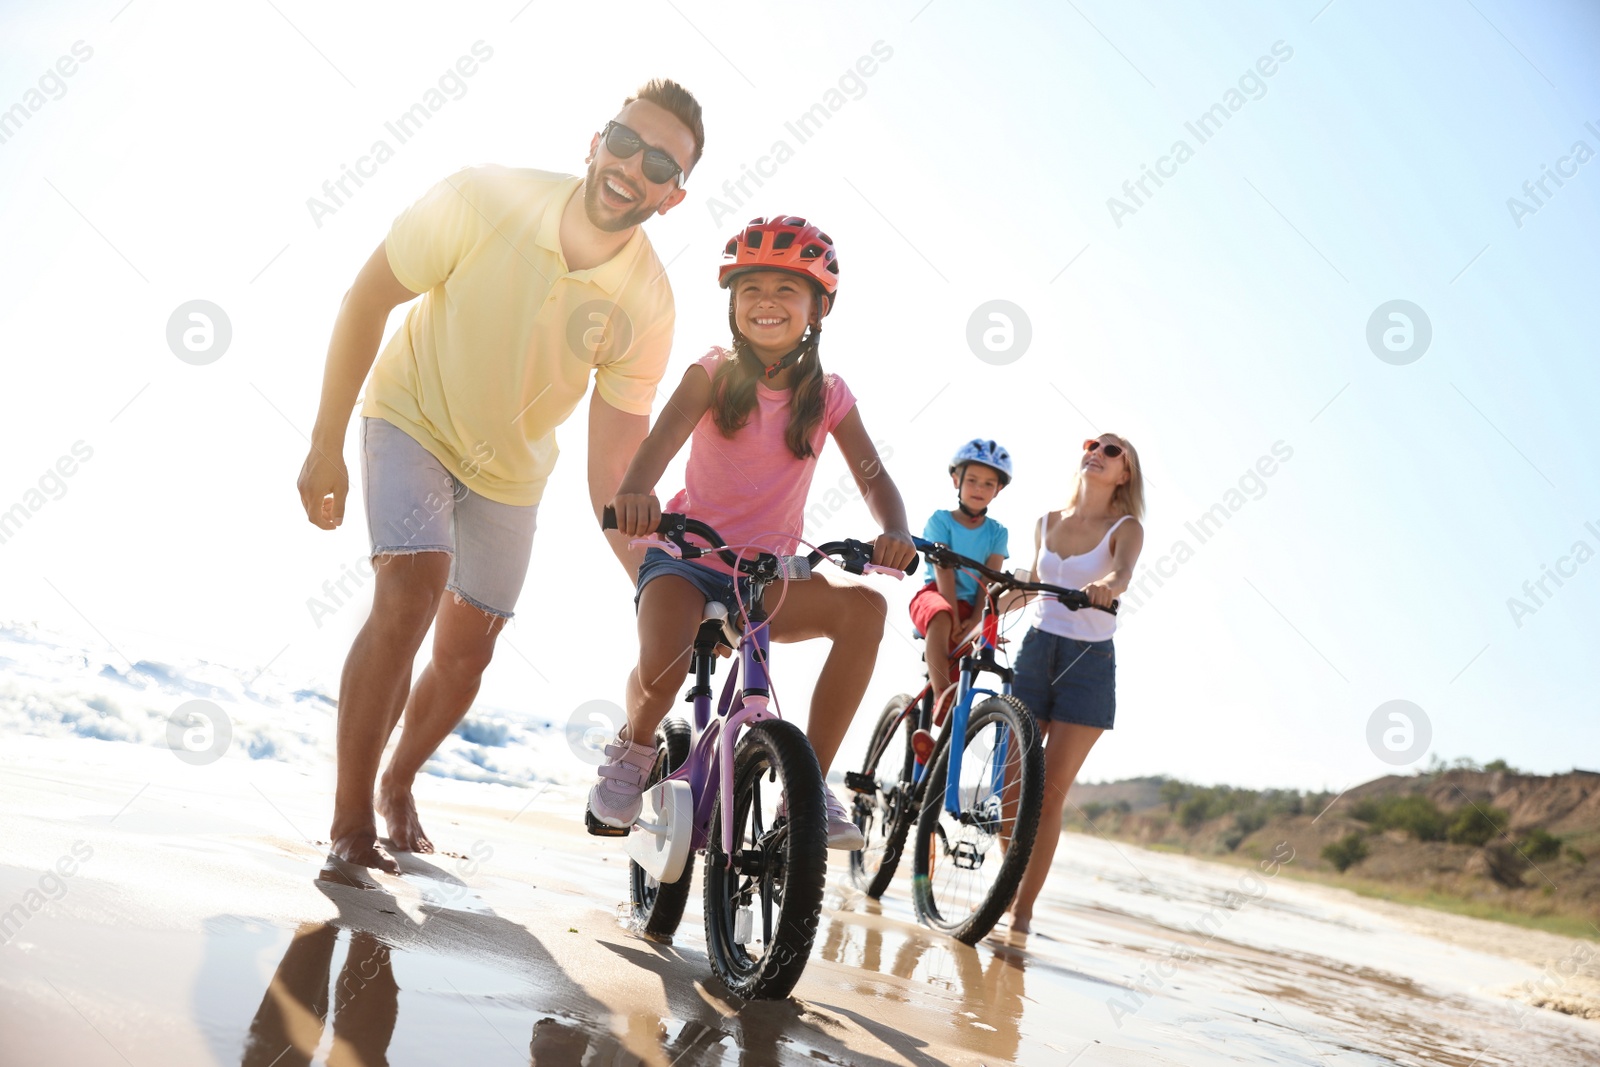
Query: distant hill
[1494, 842]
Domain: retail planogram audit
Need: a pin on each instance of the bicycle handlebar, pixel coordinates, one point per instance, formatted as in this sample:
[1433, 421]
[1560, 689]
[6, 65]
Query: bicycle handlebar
[857, 555]
[941, 555]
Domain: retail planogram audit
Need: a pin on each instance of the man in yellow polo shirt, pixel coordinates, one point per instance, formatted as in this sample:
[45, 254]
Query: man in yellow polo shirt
[530, 283]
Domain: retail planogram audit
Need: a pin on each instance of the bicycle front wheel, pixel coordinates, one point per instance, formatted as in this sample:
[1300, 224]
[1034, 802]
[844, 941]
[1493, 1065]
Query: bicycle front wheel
[658, 906]
[763, 901]
[882, 807]
[967, 865]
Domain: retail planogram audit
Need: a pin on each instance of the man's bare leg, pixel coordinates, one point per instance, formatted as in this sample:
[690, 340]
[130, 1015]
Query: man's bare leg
[463, 642]
[376, 678]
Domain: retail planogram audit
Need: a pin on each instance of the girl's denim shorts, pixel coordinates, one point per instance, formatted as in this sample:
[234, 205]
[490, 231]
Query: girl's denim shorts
[713, 585]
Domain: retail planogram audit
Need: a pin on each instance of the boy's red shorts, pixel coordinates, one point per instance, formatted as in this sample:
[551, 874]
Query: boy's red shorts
[929, 602]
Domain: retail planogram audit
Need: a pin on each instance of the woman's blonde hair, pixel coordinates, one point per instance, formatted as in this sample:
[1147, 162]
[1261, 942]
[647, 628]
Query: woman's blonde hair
[1127, 498]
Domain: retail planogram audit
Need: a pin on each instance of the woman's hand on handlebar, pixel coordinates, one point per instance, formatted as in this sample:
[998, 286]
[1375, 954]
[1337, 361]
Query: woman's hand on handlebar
[638, 514]
[893, 548]
[1100, 594]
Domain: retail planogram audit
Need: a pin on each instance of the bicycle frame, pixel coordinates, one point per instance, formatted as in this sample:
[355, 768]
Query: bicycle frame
[711, 753]
[976, 652]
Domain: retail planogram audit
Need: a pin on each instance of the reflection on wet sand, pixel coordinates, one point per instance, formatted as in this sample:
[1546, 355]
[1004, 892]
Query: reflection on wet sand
[288, 1027]
[986, 984]
[310, 1015]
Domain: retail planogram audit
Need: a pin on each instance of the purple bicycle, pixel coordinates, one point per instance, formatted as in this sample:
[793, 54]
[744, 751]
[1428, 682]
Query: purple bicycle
[741, 785]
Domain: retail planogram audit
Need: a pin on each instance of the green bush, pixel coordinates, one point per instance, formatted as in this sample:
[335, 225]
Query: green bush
[1248, 822]
[1346, 852]
[1575, 856]
[1193, 812]
[1477, 826]
[1540, 845]
[1411, 812]
[1093, 810]
[1500, 765]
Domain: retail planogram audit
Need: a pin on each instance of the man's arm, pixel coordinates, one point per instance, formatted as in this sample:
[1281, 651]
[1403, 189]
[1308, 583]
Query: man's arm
[614, 439]
[324, 482]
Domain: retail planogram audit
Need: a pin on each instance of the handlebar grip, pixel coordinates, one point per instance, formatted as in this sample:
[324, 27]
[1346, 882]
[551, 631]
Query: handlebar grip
[608, 518]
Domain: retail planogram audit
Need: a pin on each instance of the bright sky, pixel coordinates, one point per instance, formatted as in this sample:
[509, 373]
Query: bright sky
[1225, 317]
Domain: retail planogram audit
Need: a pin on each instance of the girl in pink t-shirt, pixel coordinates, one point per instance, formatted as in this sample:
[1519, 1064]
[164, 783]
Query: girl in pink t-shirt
[756, 416]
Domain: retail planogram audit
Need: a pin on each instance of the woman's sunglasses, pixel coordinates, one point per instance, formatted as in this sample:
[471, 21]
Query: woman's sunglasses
[624, 143]
[1109, 451]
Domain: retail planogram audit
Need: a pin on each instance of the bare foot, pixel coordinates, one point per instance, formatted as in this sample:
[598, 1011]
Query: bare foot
[1021, 924]
[399, 813]
[361, 848]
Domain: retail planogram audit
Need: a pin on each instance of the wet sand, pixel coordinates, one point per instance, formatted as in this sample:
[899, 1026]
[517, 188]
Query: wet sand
[193, 929]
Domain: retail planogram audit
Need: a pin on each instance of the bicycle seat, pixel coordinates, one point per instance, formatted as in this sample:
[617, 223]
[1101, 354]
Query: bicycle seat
[716, 612]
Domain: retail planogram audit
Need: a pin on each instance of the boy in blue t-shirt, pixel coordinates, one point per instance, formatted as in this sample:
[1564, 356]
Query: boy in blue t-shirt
[979, 470]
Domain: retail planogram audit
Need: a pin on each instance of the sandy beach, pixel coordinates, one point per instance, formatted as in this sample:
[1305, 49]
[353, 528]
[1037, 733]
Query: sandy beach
[164, 913]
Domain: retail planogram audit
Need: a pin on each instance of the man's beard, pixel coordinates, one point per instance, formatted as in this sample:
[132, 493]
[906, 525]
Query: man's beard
[595, 210]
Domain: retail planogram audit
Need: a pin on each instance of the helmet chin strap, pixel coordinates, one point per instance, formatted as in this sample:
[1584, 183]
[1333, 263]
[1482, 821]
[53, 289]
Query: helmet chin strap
[968, 512]
[789, 360]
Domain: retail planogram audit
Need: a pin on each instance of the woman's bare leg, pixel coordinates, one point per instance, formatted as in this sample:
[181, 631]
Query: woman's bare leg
[1066, 745]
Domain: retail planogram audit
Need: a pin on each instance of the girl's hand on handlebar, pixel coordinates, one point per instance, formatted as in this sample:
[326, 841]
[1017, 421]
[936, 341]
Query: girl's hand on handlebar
[893, 548]
[638, 514]
[1100, 594]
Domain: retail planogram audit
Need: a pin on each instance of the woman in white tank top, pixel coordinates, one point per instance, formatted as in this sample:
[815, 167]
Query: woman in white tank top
[1066, 668]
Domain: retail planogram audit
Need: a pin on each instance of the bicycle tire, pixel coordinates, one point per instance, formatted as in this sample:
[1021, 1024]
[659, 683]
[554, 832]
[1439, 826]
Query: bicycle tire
[793, 865]
[939, 900]
[885, 817]
[658, 906]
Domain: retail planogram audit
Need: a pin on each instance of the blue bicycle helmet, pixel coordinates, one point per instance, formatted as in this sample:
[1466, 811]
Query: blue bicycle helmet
[988, 453]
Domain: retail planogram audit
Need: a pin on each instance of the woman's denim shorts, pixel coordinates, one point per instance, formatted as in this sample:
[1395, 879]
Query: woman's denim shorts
[713, 585]
[1066, 680]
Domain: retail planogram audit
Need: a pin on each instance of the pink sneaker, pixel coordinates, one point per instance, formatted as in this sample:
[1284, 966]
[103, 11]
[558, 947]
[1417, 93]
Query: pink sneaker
[843, 833]
[615, 798]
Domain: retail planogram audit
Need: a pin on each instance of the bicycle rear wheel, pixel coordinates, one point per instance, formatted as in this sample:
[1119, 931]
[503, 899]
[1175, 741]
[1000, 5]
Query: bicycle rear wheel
[763, 903]
[967, 866]
[658, 906]
[882, 809]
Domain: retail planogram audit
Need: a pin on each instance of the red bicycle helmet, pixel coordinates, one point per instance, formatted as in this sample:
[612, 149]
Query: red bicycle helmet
[783, 242]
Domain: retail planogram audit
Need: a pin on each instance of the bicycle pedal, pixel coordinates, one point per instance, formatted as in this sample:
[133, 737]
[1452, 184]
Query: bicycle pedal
[922, 744]
[601, 829]
[860, 782]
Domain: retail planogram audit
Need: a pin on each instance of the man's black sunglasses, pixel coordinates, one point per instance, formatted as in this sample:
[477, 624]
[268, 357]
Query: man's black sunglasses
[623, 143]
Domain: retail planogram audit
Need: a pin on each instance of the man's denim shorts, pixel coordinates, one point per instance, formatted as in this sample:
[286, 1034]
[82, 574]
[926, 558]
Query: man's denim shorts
[414, 504]
[713, 585]
[1065, 680]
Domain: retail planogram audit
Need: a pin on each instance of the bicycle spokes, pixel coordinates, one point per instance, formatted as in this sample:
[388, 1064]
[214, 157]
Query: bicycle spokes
[970, 859]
